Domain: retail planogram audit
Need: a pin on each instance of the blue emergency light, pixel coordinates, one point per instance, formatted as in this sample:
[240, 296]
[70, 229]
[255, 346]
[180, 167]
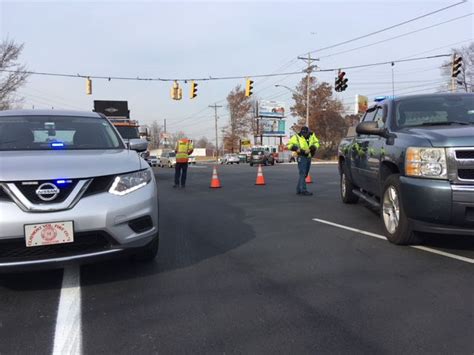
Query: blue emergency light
[63, 182]
[57, 145]
[381, 98]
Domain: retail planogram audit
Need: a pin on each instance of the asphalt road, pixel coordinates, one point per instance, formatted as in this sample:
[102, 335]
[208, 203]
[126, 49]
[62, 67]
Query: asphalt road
[247, 269]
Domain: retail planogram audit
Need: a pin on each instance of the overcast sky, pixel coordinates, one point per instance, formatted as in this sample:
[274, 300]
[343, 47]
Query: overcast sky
[202, 39]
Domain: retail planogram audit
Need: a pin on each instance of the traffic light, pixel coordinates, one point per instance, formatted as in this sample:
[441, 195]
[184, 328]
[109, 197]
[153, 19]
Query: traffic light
[88, 86]
[248, 87]
[340, 82]
[456, 66]
[176, 91]
[193, 90]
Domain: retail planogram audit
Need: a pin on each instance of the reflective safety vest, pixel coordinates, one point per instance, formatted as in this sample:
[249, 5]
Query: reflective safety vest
[184, 147]
[302, 143]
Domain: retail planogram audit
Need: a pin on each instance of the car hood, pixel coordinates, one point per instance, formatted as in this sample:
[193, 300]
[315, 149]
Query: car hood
[66, 164]
[446, 136]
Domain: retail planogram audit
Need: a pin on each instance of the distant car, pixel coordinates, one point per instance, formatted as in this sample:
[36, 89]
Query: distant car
[192, 160]
[168, 159]
[261, 156]
[230, 159]
[79, 193]
[243, 158]
[152, 160]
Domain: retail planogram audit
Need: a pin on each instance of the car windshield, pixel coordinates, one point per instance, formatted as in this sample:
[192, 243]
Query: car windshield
[435, 110]
[56, 132]
[172, 154]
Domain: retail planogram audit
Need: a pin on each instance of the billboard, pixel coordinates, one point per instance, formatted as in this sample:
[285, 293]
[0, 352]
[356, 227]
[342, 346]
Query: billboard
[273, 109]
[272, 127]
[361, 104]
[112, 108]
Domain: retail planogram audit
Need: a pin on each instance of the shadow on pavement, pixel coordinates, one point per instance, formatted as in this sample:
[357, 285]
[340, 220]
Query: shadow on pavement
[194, 226]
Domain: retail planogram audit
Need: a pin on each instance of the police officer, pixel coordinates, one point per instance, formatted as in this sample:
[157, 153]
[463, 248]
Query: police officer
[184, 148]
[305, 145]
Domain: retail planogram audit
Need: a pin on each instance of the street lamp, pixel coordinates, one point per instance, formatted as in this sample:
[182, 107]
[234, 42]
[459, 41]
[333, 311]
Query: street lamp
[288, 88]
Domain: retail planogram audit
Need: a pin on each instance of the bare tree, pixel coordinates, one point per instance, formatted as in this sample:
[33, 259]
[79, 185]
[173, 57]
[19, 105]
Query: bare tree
[465, 79]
[325, 114]
[12, 73]
[240, 122]
[155, 135]
[204, 142]
[175, 137]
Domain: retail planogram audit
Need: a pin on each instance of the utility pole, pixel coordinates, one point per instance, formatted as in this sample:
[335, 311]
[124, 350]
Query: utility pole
[165, 140]
[393, 80]
[309, 70]
[215, 107]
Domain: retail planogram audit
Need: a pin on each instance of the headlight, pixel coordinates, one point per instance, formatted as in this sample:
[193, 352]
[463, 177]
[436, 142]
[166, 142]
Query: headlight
[126, 183]
[426, 162]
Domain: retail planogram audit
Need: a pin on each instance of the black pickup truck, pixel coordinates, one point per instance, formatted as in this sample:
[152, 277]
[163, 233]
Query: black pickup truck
[413, 158]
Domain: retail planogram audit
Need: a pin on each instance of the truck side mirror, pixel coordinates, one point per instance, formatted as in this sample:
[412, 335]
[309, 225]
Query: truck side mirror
[370, 128]
[139, 145]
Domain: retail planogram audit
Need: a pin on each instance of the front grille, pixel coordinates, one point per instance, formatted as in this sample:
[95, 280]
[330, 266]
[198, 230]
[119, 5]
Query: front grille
[461, 165]
[100, 184]
[15, 250]
[29, 191]
[3, 195]
[466, 174]
[465, 154]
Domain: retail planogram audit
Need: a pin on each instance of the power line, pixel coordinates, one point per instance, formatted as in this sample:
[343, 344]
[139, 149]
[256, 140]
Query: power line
[396, 37]
[223, 77]
[386, 28]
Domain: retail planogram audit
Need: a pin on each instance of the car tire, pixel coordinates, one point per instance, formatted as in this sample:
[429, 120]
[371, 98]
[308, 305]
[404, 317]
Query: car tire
[251, 164]
[398, 231]
[346, 188]
[148, 252]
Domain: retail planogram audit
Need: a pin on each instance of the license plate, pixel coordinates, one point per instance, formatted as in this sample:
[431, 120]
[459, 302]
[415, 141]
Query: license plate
[49, 233]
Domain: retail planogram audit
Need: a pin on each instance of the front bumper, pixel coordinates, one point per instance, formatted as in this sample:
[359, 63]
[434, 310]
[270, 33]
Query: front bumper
[257, 160]
[105, 214]
[438, 206]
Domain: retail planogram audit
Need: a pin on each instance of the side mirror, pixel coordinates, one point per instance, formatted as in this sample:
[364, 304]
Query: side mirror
[139, 145]
[371, 129]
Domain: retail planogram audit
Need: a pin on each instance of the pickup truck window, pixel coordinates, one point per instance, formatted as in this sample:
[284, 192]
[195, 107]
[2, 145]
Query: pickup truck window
[379, 117]
[434, 111]
[369, 116]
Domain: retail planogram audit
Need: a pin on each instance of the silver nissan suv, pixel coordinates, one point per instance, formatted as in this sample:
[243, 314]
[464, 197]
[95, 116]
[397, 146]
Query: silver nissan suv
[71, 189]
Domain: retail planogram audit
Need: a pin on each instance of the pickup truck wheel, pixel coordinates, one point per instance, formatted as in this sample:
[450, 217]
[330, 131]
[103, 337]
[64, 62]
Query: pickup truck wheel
[396, 224]
[347, 195]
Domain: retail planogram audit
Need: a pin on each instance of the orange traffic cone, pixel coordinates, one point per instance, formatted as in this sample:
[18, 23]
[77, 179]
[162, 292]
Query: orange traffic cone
[308, 179]
[260, 178]
[215, 183]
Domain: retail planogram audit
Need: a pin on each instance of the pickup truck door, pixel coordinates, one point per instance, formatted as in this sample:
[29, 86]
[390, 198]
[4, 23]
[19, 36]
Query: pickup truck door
[375, 152]
[360, 154]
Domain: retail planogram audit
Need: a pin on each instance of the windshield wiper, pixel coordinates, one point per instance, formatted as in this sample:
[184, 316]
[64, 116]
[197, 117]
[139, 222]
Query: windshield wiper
[446, 123]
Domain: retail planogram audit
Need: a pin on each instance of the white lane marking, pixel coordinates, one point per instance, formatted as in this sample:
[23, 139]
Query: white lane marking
[68, 332]
[429, 250]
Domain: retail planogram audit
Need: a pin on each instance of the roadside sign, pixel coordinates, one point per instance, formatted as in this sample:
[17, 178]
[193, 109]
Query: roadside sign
[361, 104]
[272, 109]
[272, 127]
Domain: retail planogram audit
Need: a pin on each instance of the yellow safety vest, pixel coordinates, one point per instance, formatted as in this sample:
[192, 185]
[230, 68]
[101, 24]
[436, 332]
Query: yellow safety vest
[302, 143]
[184, 147]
